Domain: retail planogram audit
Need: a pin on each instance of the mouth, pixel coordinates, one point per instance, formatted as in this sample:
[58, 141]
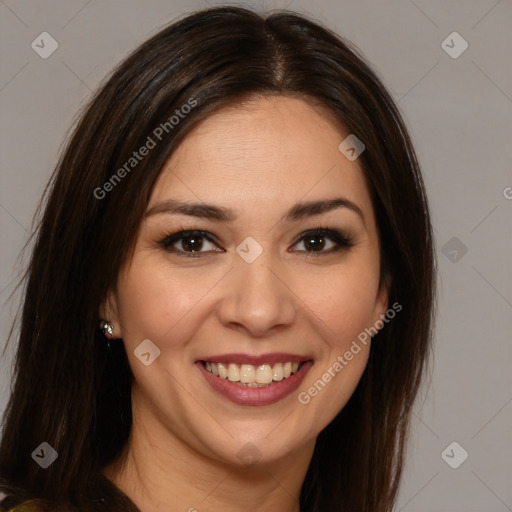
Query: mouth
[254, 381]
[251, 376]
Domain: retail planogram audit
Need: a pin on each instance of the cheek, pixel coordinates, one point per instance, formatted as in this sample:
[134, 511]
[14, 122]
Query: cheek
[343, 300]
[153, 302]
[161, 306]
[343, 305]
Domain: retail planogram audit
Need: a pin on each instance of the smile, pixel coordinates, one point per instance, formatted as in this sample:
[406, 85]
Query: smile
[247, 380]
[253, 376]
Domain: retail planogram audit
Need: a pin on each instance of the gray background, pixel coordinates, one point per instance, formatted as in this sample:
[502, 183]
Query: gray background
[459, 111]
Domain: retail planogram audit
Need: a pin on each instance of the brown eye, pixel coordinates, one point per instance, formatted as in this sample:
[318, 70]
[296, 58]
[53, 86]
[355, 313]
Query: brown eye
[324, 241]
[192, 243]
[189, 243]
[314, 242]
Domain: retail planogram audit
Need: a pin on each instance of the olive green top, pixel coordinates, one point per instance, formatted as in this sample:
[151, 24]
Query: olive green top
[26, 506]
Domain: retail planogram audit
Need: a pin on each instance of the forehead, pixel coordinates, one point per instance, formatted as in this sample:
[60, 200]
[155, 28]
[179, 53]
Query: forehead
[265, 152]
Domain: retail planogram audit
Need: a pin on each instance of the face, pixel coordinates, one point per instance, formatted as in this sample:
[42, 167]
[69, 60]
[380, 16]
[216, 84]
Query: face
[267, 283]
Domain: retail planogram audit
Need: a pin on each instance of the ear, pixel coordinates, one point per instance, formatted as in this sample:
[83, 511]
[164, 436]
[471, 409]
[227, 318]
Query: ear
[109, 311]
[382, 299]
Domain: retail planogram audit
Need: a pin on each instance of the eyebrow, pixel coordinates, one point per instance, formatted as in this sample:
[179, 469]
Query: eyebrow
[219, 213]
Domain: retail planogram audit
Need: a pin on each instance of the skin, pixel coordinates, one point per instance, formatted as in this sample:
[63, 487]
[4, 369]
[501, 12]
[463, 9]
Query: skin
[259, 159]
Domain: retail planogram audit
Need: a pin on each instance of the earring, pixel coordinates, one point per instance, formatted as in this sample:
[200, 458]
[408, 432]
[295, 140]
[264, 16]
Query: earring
[107, 328]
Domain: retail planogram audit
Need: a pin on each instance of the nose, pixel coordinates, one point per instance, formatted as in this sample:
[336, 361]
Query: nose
[258, 297]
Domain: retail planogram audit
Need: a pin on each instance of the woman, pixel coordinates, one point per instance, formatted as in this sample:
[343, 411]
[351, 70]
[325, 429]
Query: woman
[230, 300]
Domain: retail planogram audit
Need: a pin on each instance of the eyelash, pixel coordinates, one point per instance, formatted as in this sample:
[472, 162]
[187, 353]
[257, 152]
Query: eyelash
[341, 241]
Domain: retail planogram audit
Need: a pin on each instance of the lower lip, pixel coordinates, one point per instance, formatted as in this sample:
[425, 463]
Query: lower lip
[243, 395]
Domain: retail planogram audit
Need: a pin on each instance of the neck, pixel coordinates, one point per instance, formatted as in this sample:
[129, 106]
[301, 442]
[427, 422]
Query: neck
[160, 469]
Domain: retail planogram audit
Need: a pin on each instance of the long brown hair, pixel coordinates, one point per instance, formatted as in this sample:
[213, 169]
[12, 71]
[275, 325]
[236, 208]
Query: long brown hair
[72, 391]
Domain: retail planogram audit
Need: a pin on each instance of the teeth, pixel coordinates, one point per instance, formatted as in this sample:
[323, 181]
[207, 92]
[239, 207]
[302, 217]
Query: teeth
[247, 374]
[277, 372]
[253, 376]
[264, 374]
[233, 372]
[223, 371]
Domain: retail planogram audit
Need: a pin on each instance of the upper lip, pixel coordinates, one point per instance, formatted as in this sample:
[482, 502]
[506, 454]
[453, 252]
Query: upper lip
[256, 360]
